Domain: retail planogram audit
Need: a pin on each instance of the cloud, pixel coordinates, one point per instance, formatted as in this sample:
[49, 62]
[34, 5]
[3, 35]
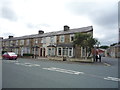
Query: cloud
[102, 14]
[37, 26]
[8, 34]
[119, 14]
[29, 16]
[7, 13]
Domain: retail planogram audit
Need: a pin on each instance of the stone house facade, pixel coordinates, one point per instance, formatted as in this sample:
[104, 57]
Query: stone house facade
[114, 51]
[52, 44]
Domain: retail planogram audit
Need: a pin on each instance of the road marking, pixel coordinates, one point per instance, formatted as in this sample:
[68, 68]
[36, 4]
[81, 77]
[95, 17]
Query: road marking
[63, 70]
[37, 65]
[10, 61]
[106, 64]
[28, 64]
[17, 63]
[112, 78]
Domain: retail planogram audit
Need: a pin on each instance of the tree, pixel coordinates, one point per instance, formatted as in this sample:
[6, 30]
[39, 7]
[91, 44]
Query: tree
[104, 47]
[113, 44]
[86, 41]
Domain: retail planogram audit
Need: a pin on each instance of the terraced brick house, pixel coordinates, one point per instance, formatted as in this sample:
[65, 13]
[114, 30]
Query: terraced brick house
[52, 45]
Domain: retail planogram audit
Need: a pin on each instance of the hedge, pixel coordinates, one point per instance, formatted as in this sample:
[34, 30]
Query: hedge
[28, 54]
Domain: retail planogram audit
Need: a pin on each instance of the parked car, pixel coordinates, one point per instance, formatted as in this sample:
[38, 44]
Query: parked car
[9, 55]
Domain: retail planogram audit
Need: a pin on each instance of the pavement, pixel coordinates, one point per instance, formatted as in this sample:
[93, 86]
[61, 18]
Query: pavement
[0, 73]
[107, 61]
[39, 73]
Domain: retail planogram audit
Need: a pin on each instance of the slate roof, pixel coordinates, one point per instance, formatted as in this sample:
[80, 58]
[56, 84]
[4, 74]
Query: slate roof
[62, 32]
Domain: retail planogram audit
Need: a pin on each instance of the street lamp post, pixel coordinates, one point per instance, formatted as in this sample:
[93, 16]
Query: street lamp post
[94, 53]
[1, 47]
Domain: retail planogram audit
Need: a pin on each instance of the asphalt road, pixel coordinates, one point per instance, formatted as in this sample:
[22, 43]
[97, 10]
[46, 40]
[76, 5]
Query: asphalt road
[33, 73]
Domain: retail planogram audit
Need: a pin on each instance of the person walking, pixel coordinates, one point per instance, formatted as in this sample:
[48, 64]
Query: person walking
[96, 57]
[99, 57]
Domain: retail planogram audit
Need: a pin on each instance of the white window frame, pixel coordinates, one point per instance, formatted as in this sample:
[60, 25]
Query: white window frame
[51, 51]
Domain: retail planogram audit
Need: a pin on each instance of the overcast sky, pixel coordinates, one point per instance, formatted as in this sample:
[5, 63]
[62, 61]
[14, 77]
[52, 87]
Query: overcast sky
[26, 17]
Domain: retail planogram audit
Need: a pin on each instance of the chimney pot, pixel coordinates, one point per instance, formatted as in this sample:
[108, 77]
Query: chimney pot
[40, 32]
[10, 37]
[66, 28]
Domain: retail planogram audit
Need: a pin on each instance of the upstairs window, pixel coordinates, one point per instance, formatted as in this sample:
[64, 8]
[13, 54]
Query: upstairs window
[52, 39]
[7, 43]
[71, 37]
[62, 38]
[21, 42]
[35, 41]
[16, 42]
[11, 43]
[43, 40]
[27, 42]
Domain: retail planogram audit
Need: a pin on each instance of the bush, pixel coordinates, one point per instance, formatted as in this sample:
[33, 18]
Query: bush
[3, 52]
[28, 54]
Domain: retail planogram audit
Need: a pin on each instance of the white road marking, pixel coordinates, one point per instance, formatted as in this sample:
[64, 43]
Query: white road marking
[10, 61]
[37, 65]
[66, 71]
[17, 63]
[112, 78]
[63, 70]
[106, 64]
[28, 64]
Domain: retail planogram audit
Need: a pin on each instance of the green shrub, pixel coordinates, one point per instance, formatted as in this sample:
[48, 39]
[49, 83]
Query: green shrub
[28, 54]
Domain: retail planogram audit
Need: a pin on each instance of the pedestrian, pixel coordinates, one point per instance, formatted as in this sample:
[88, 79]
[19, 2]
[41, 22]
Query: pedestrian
[96, 57]
[99, 57]
[21, 53]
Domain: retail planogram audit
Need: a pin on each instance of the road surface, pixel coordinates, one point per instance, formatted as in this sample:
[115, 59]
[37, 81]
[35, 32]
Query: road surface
[33, 73]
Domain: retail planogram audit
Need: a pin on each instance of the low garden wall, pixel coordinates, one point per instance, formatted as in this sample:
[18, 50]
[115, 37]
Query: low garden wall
[70, 59]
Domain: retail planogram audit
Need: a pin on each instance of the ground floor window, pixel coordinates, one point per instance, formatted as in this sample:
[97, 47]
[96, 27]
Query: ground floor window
[65, 51]
[59, 51]
[51, 51]
[83, 52]
[70, 52]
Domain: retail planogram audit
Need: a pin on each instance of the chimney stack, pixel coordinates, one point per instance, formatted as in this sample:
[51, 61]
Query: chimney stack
[10, 37]
[66, 28]
[40, 32]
